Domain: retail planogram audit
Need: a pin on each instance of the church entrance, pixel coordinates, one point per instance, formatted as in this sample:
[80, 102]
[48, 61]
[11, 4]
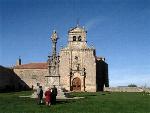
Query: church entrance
[76, 84]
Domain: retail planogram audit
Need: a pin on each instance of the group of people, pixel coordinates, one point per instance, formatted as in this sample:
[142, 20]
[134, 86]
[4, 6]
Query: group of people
[50, 95]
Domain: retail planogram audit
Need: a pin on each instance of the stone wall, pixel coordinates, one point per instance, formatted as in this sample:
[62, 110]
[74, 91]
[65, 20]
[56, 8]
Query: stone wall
[101, 74]
[32, 77]
[10, 81]
[64, 69]
[89, 62]
[86, 59]
[123, 89]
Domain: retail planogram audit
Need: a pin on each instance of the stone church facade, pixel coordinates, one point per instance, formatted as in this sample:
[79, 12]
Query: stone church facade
[78, 69]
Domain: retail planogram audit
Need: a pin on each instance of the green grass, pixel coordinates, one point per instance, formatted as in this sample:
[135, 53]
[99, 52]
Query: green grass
[92, 103]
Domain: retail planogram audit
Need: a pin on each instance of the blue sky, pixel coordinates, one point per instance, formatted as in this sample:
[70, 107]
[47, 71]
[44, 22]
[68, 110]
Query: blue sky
[118, 29]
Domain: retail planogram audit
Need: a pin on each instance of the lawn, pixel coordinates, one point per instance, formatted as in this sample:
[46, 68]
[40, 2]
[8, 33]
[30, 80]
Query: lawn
[99, 102]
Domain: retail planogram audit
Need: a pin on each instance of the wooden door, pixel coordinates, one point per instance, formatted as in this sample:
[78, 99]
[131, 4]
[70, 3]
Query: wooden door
[76, 84]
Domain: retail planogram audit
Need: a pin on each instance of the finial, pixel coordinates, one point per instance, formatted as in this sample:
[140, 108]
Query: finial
[54, 36]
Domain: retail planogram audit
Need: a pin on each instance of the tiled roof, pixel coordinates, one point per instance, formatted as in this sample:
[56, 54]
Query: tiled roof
[32, 66]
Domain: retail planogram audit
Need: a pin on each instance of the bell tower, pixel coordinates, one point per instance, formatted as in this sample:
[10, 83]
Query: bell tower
[77, 37]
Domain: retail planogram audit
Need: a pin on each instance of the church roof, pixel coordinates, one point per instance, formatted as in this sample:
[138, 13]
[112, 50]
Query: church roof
[77, 29]
[32, 66]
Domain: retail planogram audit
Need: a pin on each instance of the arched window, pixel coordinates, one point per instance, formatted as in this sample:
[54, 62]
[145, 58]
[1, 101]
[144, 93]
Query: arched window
[79, 38]
[74, 38]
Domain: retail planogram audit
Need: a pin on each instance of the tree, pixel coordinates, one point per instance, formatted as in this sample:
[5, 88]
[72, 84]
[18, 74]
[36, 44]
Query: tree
[132, 85]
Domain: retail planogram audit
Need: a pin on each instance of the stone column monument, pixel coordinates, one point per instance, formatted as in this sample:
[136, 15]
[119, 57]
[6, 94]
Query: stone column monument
[53, 77]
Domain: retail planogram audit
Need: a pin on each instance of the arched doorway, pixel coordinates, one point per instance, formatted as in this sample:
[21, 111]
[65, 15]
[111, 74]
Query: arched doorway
[76, 84]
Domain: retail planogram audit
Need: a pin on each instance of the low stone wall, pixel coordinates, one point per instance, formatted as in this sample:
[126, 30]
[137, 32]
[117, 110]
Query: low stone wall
[146, 90]
[124, 89]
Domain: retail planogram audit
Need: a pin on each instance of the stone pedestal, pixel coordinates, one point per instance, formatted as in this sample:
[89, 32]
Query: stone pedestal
[53, 80]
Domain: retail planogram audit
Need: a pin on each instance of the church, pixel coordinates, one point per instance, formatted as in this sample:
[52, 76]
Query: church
[75, 68]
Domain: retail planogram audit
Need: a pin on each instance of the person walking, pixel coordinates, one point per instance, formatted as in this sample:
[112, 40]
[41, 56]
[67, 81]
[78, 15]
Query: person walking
[48, 97]
[54, 94]
[39, 95]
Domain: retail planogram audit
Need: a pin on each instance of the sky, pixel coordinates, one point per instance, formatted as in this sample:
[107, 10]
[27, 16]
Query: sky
[118, 29]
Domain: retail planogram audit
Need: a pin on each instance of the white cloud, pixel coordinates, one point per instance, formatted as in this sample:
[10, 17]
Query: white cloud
[93, 23]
